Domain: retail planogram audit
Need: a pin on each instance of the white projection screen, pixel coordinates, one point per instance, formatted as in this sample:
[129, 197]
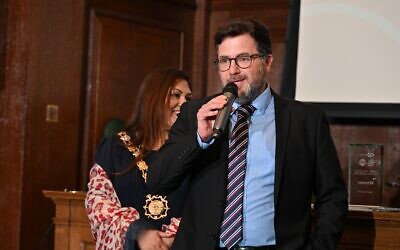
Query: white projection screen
[349, 53]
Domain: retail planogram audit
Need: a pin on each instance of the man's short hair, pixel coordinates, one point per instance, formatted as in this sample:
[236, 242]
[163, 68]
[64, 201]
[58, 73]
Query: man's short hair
[256, 29]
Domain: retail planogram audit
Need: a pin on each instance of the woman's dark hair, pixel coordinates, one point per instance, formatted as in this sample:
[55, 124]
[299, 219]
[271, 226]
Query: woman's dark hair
[149, 122]
[256, 29]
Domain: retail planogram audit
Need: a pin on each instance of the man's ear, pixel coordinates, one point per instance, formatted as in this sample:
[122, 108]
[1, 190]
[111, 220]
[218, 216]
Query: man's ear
[268, 62]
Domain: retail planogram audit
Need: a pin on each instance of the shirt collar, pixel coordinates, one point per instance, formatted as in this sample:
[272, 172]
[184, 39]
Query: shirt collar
[260, 103]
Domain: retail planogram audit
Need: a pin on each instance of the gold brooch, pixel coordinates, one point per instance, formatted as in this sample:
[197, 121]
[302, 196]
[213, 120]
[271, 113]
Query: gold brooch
[143, 167]
[156, 206]
[126, 139]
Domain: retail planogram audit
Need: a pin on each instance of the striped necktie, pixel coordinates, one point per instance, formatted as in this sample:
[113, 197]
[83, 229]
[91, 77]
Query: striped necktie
[231, 228]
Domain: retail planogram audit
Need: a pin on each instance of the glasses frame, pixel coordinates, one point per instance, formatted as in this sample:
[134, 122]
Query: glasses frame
[230, 59]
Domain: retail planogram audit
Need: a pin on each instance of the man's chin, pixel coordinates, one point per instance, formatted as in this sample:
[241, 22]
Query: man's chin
[243, 100]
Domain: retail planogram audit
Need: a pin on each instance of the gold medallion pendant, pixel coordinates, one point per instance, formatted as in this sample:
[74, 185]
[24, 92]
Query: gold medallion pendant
[156, 206]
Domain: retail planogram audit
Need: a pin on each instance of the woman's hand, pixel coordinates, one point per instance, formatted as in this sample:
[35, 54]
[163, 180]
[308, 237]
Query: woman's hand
[168, 238]
[152, 240]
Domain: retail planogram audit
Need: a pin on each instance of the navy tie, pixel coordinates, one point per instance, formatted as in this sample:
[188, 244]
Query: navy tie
[231, 228]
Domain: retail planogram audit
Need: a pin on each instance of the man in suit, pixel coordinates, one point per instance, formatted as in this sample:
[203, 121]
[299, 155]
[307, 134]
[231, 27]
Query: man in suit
[288, 158]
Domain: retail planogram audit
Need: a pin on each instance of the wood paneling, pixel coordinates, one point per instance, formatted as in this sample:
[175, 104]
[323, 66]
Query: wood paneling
[54, 76]
[13, 39]
[371, 230]
[218, 5]
[200, 42]
[271, 12]
[3, 36]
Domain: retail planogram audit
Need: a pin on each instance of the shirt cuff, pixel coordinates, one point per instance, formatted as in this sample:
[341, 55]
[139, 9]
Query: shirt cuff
[204, 145]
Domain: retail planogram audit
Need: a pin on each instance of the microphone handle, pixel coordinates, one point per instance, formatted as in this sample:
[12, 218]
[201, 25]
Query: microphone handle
[223, 116]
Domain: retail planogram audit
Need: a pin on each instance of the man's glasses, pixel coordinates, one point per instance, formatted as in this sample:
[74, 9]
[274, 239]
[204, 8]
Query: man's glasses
[243, 61]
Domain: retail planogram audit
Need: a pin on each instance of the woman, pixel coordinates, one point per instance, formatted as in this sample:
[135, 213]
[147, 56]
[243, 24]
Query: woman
[122, 214]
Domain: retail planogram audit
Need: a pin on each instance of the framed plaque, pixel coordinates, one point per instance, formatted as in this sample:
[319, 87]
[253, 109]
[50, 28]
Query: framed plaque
[365, 174]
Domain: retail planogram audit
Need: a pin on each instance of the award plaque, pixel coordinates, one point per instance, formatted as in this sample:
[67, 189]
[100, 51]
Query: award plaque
[365, 174]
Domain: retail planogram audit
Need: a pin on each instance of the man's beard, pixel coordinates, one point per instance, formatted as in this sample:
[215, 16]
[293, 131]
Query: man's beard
[254, 89]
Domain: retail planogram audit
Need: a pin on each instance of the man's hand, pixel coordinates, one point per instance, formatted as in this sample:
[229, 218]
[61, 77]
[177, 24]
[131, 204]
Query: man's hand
[206, 116]
[151, 240]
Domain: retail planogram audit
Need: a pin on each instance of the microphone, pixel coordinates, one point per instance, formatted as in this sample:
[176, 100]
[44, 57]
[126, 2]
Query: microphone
[231, 92]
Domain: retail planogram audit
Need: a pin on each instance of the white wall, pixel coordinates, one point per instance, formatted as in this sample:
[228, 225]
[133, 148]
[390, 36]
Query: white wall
[349, 51]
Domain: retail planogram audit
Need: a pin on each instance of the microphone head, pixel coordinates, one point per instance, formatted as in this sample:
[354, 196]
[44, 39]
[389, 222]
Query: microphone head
[231, 88]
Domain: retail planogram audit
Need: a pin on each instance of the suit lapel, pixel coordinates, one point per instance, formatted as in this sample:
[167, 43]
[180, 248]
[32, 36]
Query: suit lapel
[224, 155]
[282, 123]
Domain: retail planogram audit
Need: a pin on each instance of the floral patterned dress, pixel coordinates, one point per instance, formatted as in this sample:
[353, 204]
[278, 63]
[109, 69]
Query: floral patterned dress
[118, 204]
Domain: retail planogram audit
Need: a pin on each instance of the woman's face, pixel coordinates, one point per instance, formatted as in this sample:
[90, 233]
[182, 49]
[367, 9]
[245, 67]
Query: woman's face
[179, 94]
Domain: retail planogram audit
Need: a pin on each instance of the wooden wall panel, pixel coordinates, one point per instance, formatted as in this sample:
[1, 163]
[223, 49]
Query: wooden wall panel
[200, 42]
[56, 41]
[3, 36]
[13, 40]
[271, 12]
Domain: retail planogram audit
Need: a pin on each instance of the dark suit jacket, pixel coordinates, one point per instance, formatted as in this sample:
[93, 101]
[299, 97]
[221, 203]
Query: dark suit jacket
[306, 164]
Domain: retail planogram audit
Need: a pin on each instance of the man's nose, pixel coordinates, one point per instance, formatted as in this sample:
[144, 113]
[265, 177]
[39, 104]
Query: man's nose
[234, 69]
